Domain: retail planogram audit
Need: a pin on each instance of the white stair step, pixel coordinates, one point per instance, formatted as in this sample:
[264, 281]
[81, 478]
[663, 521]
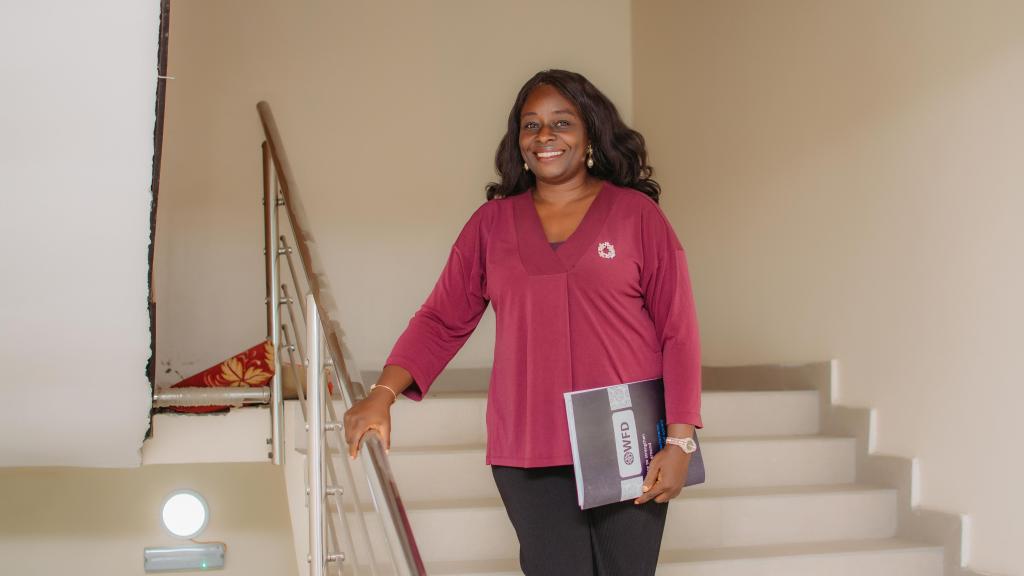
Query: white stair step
[480, 529]
[760, 413]
[889, 557]
[459, 419]
[741, 517]
[440, 473]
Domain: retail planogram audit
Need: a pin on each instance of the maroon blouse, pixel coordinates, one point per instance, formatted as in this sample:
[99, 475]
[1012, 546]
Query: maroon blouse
[612, 304]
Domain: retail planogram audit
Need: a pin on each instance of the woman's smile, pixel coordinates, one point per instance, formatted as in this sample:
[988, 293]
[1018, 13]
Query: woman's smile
[549, 155]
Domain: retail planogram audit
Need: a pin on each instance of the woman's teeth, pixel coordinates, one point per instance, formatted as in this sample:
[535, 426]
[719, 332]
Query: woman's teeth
[549, 154]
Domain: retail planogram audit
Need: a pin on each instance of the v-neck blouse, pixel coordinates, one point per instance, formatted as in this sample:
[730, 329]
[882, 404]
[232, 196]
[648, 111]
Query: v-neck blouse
[612, 304]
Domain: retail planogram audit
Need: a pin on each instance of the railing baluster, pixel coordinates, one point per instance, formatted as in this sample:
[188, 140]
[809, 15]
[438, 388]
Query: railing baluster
[291, 316]
[339, 511]
[270, 188]
[293, 366]
[332, 536]
[340, 439]
[315, 448]
[292, 271]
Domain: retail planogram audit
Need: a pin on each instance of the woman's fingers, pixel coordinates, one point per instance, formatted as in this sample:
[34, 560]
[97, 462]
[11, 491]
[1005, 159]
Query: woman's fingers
[362, 418]
[666, 495]
[655, 491]
[661, 492]
[653, 473]
[353, 442]
[353, 446]
[663, 482]
[652, 483]
[351, 434]
[384, 431]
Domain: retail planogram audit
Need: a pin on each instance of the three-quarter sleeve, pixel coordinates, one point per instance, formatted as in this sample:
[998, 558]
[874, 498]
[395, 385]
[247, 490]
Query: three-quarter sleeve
[450, 314]
[665, 281]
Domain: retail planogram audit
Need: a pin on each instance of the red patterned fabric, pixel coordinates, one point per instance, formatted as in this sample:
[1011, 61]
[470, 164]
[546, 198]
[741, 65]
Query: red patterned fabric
[254, 367]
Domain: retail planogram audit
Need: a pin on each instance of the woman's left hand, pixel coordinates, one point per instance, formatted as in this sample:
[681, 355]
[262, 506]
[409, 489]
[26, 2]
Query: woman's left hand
[665, 475]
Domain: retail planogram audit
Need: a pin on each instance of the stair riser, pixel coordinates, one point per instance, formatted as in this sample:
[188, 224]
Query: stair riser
[450, 421]
[919, 562]
[730, 464]
[778, 519]
[913, 562]
[483, 533]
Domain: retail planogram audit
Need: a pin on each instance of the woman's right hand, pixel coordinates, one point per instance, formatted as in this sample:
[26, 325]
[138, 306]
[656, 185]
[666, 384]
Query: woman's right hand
[370, 413]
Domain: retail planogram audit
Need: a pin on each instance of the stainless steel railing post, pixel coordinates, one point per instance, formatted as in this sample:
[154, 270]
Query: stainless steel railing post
[270, 203]
[315, 446]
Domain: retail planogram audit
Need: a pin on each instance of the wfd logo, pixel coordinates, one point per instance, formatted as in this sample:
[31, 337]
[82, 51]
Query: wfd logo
[627, 443]
[624, 426]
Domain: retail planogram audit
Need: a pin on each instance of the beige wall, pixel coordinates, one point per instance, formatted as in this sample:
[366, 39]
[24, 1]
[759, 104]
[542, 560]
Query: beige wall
[97, 522]
[78, 87]
[391, 112]
[847, 177]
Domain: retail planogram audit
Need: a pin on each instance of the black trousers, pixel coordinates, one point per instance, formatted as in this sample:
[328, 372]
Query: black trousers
[557, 538]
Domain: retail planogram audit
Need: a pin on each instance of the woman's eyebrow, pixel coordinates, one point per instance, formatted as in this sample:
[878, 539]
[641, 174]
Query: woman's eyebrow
[562, 111]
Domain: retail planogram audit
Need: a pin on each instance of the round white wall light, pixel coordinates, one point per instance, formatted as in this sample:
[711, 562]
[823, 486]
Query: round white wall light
[184, 513]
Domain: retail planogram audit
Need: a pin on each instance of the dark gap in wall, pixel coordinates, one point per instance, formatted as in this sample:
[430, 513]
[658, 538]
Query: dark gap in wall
[158, 138]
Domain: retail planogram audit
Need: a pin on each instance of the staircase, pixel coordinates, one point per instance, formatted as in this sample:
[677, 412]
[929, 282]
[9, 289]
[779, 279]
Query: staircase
[781, 496]
[790, 489]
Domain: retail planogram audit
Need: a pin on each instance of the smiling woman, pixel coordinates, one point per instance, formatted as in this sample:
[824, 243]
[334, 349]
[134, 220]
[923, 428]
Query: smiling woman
[571, 226]
[552, 138]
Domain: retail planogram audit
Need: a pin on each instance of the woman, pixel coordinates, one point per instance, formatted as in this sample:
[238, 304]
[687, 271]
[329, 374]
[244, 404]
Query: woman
[590, 288]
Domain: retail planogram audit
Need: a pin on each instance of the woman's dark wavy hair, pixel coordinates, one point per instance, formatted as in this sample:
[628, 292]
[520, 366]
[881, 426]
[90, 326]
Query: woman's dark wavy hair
[620, 154]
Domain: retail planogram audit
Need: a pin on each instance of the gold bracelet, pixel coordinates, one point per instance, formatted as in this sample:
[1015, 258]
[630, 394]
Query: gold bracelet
[393, 393]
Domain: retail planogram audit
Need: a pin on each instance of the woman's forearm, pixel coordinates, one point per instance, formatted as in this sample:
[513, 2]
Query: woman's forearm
[680, 430]
[395, 378]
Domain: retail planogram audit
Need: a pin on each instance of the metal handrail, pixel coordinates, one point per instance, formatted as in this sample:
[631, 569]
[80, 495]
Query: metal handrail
[278, 179]
[199, 396]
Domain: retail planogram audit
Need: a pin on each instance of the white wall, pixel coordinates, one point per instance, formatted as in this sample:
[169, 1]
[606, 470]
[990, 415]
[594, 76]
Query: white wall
[847, 177]
[391, 112]
[97, 522]
[79, 85]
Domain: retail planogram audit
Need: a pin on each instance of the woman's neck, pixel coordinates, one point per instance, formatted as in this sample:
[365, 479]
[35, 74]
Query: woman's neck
[567, 192]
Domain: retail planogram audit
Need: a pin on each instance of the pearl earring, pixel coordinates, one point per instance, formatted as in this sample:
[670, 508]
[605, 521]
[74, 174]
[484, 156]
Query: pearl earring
[526, 167]
[590, 156]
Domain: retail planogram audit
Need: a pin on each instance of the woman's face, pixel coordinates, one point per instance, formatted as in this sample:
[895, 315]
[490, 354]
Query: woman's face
[552, 137]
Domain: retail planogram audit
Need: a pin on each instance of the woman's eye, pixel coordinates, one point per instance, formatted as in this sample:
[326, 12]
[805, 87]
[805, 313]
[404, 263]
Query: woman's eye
[562, 123]
[530, 126]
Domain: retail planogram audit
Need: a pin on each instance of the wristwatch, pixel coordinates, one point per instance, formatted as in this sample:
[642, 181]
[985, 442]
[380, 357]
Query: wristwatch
[687, 444]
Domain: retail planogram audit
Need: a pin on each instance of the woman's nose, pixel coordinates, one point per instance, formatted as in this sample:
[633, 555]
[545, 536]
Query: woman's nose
[545, 133]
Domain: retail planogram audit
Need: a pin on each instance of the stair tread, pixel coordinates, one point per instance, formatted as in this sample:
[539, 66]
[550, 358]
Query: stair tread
[794, 549]
[473, 394]
[813, 489]
[669, 556]
[471, 379]
[481, 447]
